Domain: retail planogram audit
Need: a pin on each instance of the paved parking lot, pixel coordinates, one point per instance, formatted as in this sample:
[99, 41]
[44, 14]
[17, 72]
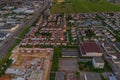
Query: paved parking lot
[68, 64]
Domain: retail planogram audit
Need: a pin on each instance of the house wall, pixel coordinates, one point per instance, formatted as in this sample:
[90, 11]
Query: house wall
[97, 65]
[93, 54]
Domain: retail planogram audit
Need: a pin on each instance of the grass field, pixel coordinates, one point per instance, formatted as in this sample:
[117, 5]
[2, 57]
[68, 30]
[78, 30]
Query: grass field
[76, 6]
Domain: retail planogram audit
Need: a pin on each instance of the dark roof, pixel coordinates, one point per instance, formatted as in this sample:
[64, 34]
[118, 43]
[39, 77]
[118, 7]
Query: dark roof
[106, 44]
[117, 45]
[82, 24]
[69, 52]
[90, 47]
[7, 27]
[116, 55]
[2, 35]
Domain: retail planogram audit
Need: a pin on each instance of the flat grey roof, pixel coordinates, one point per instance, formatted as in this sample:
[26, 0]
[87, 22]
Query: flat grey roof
[69, 52]
[92, 76]
[99, 59]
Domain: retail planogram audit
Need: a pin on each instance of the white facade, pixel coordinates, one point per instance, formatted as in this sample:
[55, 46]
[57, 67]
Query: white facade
[91, 54]
[96, 64]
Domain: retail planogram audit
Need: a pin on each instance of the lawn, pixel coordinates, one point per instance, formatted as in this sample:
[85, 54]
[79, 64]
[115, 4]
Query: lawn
[56, 56]
[76, 6]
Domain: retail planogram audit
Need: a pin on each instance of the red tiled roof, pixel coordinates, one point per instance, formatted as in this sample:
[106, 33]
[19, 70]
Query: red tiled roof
[90, 47]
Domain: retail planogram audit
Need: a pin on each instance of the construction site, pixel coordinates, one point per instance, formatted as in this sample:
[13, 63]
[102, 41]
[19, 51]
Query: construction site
[30, 64]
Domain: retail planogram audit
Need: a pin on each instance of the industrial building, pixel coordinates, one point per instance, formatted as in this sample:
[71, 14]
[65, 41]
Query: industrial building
[9, 28]
[90, 49]
[69, 53]
[90, 76]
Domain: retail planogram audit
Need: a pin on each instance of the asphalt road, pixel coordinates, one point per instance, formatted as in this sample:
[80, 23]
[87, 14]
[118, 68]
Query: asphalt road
[11, 40]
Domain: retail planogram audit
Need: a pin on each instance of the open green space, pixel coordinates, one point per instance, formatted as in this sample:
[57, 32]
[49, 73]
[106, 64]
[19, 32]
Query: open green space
[52, 76]
[76, 6]
[56, 56]
[4, 66]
